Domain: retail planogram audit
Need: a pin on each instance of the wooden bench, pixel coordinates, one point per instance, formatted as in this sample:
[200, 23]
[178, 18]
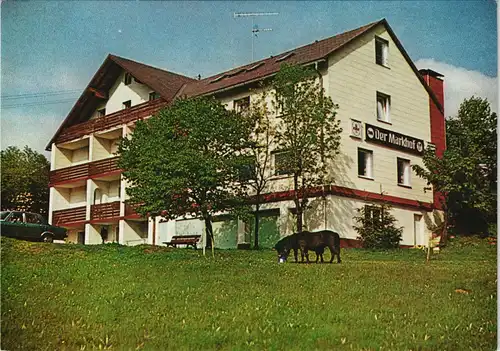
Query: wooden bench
[188, 240]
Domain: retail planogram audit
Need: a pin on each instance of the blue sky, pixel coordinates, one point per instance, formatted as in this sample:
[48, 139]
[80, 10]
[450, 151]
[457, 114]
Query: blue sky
[58, 46]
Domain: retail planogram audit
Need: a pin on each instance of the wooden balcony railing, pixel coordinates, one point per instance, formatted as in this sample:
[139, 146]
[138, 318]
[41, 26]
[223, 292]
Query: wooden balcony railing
[130, 209]
[70, 215]
[85, 170]
[112, 120]
[69, 173]
[103, 166]
[105, 211]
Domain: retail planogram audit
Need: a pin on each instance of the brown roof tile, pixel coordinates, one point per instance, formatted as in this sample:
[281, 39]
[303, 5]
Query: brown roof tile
[165, 83]
[305, 54]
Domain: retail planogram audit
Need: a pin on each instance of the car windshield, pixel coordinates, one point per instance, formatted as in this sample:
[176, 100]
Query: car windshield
[4, 214]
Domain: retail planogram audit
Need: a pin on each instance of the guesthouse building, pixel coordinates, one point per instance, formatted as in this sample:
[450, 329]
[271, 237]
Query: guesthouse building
[389, 112]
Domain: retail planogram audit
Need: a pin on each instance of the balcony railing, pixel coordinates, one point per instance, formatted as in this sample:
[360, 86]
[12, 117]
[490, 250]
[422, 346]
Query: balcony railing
[70, 215]
[130, 209]
[103, 166]
[85, 170]
[105, 211]
[69, 173]
[112, 120]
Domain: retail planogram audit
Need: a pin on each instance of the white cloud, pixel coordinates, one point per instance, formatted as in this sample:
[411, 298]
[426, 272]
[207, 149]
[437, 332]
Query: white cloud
[460, 84]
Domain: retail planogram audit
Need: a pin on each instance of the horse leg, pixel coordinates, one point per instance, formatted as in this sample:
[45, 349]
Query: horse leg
[295, 255]
[307, 255]
[333, 252]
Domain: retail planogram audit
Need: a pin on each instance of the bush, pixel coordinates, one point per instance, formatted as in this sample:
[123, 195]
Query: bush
[376, 227]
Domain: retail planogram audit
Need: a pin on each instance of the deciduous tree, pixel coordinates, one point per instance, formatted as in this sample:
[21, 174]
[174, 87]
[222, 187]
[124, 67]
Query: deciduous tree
[25, 180]
[186, 160]
[307, 130]
[258, 171]
[467, 172]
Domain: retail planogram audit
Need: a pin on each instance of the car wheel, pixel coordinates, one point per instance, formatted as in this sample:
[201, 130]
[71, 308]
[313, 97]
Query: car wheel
[48, 238]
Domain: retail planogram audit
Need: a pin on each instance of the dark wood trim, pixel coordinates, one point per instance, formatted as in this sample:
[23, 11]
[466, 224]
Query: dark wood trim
[105, 211]
[91, 170]
[117, 118]
[351, 193]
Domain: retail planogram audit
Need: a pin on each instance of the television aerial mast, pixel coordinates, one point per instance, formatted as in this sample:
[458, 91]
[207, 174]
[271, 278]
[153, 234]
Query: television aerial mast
[255, 28]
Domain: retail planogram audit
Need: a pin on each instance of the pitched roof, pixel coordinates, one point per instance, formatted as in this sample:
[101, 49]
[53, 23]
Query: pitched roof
[303, 55]
[165, 83]
[171, 85]
[266, 67]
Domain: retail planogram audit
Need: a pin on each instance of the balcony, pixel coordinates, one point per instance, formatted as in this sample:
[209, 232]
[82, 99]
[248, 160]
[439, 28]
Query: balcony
[70, 215]
[105, 211]
[85, 170]
[130, 210]
[112, 120]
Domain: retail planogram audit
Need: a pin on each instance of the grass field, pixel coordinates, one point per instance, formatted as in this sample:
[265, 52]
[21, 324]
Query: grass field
[74, 297]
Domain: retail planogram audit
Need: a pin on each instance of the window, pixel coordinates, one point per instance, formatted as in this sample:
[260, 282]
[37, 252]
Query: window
[247, 170]
[16, 217]
[127, 79]
[101, 112]
[404, 171]
[383, 107]
[365, 163]
[153, 96]
[381, 51]
[127, 104]
[281, 163]
[33, 218]
[242, 105]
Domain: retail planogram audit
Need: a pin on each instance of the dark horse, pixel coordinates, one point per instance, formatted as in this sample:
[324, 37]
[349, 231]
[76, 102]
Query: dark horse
[305, 241]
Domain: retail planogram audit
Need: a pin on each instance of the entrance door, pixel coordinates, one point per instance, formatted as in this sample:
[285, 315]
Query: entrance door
[417, 230]
[80, 238]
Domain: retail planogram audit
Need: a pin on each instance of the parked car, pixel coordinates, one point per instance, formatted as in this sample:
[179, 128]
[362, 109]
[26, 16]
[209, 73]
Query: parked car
[29, 226]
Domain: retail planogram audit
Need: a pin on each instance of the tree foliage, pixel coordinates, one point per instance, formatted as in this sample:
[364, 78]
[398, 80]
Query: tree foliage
[25, 180]
[307, 130]
[186, 161]
[467, 172]
[376, 227]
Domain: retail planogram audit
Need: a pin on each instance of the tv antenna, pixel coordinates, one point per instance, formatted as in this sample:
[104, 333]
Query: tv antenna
[255, 28]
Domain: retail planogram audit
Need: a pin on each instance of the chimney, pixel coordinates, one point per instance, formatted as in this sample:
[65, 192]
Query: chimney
[438, 129]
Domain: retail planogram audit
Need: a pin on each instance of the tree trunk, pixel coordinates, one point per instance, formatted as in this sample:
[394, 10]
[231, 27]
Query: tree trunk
[299, 218]
[256, 231]
[208, 231]
[296, 200]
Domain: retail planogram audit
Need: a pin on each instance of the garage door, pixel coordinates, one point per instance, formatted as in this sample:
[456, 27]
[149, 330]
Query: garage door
[269, 232]
[225, 232]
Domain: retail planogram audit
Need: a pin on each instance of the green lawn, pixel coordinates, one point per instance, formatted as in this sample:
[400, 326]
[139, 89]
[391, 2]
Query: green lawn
[74, 297]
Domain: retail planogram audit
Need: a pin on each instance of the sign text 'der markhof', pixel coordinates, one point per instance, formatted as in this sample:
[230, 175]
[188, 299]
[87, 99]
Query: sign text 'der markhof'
[394, 140]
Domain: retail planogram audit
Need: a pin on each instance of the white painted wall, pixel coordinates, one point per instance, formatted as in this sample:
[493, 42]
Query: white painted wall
[134, 233]
[119, 92]
[64, 198]
[353, 80]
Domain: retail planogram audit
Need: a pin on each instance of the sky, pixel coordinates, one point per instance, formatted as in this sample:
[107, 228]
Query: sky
[50, 50]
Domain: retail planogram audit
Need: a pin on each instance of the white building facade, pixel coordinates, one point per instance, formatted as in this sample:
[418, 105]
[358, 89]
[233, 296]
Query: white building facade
[389, 113]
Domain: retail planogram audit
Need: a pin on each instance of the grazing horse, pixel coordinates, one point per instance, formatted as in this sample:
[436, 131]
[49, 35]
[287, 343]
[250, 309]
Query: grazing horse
[305, 241]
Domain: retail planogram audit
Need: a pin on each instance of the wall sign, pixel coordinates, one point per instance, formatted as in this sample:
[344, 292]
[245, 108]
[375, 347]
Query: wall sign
[356, 129]
[394, 140]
